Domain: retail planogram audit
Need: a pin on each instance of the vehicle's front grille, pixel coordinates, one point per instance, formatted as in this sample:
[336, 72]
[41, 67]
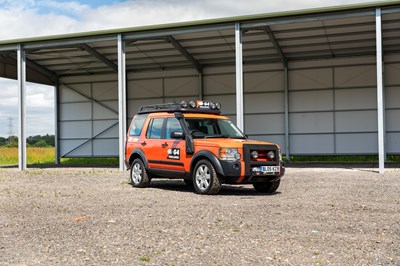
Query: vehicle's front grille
[263, 159]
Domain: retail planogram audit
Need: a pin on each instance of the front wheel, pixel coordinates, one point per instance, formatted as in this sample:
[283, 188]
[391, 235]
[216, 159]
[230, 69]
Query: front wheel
[139, 177]
[205, 178]
[268, 187]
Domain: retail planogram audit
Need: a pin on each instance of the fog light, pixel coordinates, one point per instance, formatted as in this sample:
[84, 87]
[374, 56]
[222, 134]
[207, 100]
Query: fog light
[254, 154]
[271, 155]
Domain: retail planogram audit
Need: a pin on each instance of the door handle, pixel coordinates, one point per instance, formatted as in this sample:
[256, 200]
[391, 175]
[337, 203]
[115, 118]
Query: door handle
[164, 145]
[143, 143]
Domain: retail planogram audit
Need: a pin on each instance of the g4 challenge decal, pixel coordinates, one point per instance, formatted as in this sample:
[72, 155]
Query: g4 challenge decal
[174, 154]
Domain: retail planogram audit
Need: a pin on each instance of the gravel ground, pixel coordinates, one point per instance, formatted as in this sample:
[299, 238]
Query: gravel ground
[85, 216]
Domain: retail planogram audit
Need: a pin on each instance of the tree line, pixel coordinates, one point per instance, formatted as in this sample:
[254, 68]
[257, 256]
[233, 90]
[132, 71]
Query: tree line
[32, 141]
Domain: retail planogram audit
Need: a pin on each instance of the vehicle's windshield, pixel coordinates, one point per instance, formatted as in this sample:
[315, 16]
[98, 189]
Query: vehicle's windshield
[213, 128]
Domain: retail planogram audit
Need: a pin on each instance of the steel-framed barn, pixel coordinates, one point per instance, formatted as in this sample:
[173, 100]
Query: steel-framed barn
[320, 81]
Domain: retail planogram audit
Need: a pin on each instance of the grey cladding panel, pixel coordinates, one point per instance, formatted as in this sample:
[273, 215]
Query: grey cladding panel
[392, 97]
[310, 79]
[101, 112]
[312, 144]
[264, 124]
[357, 143]
[137, 89]
[76, 111]
[100, 126]
[105, 147]
[181, 86]
[348, 99]
[105, 91]
[392, 74]
[310, 101]
[311, 123]
[263, 81]
[218, 84]
[358, 121]
[264, 103]
[355, 76]
[393, 120]
[68, 95]
[393, 142]
[75, 129]
[69, 145]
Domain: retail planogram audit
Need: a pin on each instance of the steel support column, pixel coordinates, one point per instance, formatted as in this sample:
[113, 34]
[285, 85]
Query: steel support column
[239, 77]
[286, 88]
[21, 65]
[56, 125]
[379, 86]
[121, 100]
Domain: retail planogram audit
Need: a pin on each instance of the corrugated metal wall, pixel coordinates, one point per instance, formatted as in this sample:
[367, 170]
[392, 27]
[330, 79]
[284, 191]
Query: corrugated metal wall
[332, 104]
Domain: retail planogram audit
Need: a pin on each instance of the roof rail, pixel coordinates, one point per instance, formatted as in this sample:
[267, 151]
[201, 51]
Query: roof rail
[192, 107]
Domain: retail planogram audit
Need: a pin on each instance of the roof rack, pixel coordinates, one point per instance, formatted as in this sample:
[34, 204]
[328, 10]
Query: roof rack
[184, 107]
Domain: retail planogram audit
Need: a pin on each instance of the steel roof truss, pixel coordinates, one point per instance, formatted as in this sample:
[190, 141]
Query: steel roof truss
[99, 56]
[185, 53]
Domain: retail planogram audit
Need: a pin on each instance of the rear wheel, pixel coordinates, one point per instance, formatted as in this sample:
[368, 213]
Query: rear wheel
[205, 178]
[139, 177]
[269, 187]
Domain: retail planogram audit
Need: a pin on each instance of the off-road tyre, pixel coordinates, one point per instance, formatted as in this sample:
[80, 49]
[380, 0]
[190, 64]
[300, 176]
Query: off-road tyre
[205, 178]
[267, 187]
[138, 176]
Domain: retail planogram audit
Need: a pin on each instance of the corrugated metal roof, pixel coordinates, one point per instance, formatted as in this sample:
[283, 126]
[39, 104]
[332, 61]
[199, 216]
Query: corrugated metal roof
[331, 32]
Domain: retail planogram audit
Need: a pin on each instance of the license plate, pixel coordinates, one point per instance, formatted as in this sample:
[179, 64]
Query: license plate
[269, 169]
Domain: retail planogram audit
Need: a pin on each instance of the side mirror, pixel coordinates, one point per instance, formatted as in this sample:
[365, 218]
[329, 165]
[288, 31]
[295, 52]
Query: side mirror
[177, 135]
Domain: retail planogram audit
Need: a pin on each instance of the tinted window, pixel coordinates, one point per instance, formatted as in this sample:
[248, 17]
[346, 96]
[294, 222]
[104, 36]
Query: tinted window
[155, 128]
[172, 125]
[137, 125]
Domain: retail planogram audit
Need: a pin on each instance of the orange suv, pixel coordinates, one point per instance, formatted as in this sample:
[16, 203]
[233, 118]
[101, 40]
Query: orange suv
[194, 142]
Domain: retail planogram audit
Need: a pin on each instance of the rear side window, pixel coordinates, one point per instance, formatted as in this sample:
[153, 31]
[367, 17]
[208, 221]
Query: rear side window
[137, 125]
[172, 125]
[155, 128]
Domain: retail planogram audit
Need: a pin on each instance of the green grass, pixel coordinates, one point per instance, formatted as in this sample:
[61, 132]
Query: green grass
[9, 156]
[343, 158]
[90, 161]
[46, 156]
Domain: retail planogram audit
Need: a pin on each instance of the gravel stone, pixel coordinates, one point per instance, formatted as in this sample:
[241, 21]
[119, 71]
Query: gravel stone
[93, 216]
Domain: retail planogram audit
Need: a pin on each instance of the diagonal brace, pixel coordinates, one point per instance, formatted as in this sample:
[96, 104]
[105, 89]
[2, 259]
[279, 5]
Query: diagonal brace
[277, 46]
[185, 53]
[99, 56]
[35, 66]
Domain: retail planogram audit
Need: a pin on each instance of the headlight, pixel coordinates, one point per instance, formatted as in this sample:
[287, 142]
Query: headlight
[229, 154]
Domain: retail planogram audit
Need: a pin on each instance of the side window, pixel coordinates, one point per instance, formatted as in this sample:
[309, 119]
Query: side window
[137, 125]
[155, 128]
[172, 125]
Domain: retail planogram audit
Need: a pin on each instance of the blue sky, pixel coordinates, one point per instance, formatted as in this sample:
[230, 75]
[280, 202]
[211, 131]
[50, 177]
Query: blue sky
[32, 18]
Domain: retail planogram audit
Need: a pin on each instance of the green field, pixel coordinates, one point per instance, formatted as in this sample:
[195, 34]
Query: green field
[9, 156]
[46, 156]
